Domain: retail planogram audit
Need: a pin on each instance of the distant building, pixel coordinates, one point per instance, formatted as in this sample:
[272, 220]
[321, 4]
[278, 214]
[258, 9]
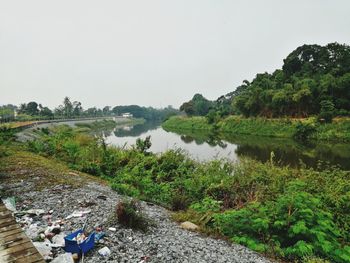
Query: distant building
[127, 115]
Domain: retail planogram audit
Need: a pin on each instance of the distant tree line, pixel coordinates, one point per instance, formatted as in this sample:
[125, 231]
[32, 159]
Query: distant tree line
[147, 113]
[73, 109]
[314, 80]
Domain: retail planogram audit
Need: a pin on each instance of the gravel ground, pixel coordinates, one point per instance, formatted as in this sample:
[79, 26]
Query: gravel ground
[165, 241]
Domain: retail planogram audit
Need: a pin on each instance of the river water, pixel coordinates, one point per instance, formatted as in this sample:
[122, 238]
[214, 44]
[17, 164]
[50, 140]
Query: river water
[205, 147]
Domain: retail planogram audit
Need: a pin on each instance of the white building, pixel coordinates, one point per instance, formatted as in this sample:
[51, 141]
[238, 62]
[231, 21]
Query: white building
[127, 115]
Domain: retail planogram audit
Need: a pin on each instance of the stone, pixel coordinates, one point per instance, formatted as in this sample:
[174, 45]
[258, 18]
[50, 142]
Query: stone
[58, 240]
[63, 258]
[37, 212]
[189, 226]
[105, 252]
[44, 249]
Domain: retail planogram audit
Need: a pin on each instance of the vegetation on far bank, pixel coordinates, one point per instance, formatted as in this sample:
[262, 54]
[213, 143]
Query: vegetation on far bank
[287, 213]
[338, 130]
[33, 111]
[314, 81]
[313, 84]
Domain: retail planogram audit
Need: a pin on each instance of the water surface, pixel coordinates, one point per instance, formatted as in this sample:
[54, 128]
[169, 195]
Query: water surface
[204, 147]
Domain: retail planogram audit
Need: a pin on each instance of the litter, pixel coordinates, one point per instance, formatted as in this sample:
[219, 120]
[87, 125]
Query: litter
[105, 252]
[84, 245]
[53, 229]
[113, 229]
[99, 235]
[10, 203]
[37, 212]
[78, 214]
[80, 238]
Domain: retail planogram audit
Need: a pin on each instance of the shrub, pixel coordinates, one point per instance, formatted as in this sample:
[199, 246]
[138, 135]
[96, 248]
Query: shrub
[207, 204]
[303, 131]
[129, 215]
[179, 202]
[327, 111]
[126, 189]
[294, 226]
[6, 134]
[143, 145]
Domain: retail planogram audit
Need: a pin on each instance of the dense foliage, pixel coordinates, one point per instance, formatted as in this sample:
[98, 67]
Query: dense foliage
[289, 213]
[147, 113]
[311, 77]
[314, 80]
[74, 109]
[302, 130]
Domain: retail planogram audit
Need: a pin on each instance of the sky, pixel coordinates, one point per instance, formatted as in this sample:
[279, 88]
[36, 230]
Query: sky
[155, 52]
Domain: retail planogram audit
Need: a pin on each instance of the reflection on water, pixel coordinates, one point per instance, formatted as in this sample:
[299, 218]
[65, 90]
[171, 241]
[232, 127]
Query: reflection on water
[135, 130]
[205, 146]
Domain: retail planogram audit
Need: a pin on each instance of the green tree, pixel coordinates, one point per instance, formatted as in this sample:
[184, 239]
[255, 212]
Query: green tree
[67, 107]
[327, 111]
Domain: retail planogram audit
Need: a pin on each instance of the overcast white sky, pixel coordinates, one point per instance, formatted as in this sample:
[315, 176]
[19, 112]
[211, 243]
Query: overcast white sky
[152, 52]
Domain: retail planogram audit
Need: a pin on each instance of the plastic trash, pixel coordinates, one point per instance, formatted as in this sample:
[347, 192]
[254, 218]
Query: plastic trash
[37, 212]
[72, 245]
[10, 203]
[78, 214]
[105, 252]
[99, 235]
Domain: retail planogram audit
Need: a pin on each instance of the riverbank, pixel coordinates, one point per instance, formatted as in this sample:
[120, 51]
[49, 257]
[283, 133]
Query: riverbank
[38, 182]
[338, 130]
[277, 211]
[89, 125]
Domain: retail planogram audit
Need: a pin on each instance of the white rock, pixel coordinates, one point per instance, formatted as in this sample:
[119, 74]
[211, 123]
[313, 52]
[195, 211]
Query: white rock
[58, 240]
[64, 258]
[44, 249]
[33, 231]
[105, 251]
[189, 226]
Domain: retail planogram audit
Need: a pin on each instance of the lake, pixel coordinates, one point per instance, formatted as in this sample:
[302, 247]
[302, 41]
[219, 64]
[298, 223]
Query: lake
[203, 147]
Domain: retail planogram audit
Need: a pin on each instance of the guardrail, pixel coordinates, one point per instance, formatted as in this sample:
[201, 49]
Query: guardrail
[35, 123]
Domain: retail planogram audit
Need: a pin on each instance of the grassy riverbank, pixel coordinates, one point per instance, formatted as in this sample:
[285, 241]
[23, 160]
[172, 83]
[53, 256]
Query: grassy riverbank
[294, 214]
[339, 130]
[107, 124]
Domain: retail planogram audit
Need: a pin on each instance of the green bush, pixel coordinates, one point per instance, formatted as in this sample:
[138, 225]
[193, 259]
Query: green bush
[327, 111]
[293, 226]
[6, 135]
[207, 204]
[304, 131]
